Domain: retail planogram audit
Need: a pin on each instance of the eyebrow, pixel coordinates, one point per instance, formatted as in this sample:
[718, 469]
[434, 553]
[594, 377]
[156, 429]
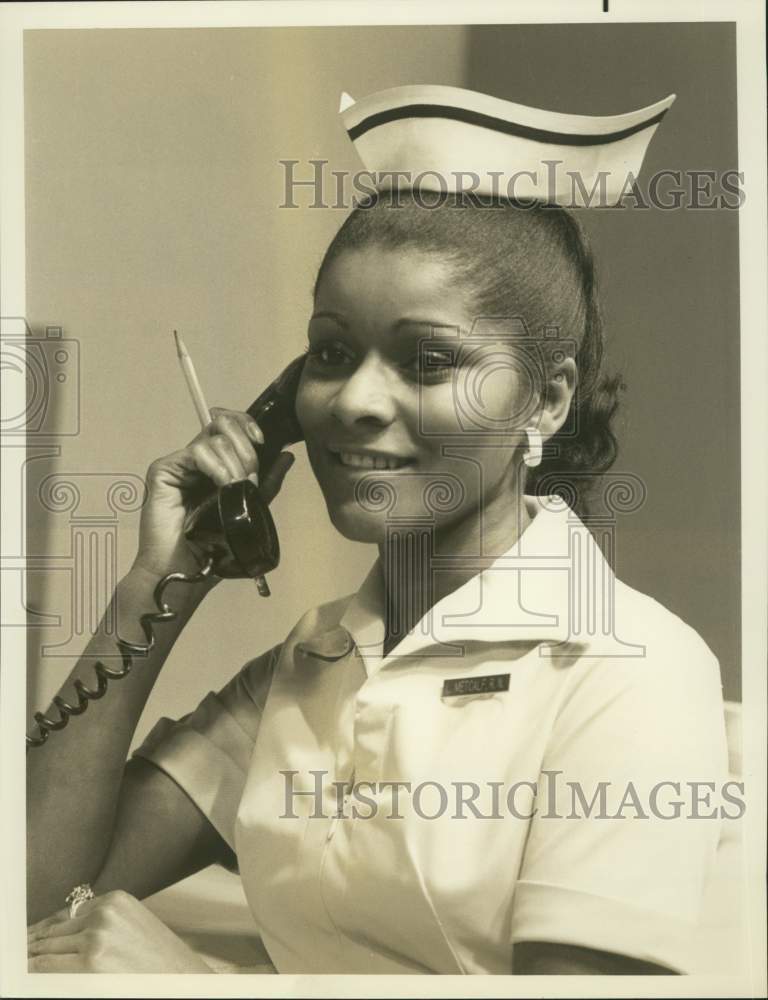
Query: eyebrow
[418, 321]
[398, 327]
[327, 314]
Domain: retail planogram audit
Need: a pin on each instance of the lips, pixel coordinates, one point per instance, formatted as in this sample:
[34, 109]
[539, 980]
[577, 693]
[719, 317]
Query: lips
[369, 460]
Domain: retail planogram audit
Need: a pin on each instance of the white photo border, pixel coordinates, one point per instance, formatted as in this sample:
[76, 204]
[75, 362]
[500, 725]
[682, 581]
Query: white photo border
[748, 16]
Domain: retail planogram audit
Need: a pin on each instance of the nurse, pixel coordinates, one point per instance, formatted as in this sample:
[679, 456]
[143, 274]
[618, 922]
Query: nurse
[478, 763]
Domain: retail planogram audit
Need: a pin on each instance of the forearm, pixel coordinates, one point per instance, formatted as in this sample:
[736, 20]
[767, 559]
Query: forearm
[73, 780]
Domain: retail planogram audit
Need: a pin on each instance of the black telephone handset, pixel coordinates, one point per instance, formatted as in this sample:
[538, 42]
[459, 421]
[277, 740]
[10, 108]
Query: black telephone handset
[233, 526]
[233, 523]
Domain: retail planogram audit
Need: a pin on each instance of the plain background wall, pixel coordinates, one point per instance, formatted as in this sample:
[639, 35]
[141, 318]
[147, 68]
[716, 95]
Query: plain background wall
[153, 182]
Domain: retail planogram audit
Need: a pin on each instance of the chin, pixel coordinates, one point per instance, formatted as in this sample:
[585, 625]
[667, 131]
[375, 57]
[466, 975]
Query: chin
[358, 525]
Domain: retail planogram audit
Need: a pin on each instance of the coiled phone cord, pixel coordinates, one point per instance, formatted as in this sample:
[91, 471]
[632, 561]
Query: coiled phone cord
[128, 651]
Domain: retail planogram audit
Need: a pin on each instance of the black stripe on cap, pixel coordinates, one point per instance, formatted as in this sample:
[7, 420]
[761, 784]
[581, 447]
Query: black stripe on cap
[497, 124]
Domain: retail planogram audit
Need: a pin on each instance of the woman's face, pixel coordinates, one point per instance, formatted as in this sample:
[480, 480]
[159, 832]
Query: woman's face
[410, 414]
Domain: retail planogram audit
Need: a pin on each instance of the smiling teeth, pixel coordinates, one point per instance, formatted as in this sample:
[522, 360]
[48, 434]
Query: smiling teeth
[379, 462]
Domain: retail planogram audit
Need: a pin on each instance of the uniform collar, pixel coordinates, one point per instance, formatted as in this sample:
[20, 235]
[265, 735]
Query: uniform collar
[531, 593]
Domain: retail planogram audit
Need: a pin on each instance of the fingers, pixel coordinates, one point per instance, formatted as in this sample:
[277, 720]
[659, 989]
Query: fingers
[42, 926]
[222, 418]
[239, 434]
[228, 457]
[68, 945]
[56, 941]
[60, 924]
[60, 928]
[226, 450]
[273, 481]
[56, 963]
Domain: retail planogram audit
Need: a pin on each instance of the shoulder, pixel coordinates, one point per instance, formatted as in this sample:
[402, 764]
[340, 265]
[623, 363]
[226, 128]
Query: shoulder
[655, 683]
[652, 663]
[318, 628]
[671, 647]
[319, 620]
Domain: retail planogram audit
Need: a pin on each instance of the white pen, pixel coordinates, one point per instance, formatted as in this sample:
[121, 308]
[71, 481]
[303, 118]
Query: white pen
[193, 383]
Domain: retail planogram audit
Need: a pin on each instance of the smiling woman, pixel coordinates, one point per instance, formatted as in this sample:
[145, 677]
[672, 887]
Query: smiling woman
[452, 401]
[475, 329]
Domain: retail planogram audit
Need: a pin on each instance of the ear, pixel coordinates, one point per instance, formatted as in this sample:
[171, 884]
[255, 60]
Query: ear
[558, 394]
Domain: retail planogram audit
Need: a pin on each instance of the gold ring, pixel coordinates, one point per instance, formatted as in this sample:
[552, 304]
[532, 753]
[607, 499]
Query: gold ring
[77, 897]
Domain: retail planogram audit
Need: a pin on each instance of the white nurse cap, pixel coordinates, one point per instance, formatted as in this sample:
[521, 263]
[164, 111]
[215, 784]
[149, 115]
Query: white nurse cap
[448, 139]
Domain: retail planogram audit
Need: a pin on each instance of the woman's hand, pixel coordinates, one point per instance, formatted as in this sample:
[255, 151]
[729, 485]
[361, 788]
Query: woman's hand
[223, 452]
[111, 933]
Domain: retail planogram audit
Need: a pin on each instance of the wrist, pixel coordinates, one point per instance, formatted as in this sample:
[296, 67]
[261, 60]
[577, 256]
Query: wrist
[136, 591]
[145, 577]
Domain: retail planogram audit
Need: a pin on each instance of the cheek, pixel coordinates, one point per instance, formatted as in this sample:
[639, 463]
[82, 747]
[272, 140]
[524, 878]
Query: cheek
[479, 415]
[312, 405]
[436, 412]
[492, 398]
[486, 404]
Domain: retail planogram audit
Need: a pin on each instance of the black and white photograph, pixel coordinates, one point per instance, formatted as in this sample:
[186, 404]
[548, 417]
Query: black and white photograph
[384, 489]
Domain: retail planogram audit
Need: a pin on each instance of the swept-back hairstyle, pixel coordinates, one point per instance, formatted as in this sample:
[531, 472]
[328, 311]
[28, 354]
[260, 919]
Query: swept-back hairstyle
[529, 261]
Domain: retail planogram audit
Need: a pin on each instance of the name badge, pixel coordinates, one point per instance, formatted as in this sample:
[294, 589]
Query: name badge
[475, 685]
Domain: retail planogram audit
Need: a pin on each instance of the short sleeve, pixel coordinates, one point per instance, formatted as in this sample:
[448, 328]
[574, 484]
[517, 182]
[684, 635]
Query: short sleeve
[207, 752]
[627, 823]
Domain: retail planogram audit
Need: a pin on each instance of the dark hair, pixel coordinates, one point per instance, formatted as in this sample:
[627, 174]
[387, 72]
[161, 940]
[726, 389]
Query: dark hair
[529, 261]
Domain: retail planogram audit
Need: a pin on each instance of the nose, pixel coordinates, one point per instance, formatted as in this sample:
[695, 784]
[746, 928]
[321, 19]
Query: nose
[365, 397]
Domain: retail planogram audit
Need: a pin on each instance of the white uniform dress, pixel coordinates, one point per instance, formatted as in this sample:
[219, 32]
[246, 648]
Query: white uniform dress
[601, 708]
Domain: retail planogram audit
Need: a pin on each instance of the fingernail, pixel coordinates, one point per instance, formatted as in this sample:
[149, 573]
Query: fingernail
[255, 431]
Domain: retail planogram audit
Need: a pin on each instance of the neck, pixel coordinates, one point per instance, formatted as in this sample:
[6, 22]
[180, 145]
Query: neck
[421, 564]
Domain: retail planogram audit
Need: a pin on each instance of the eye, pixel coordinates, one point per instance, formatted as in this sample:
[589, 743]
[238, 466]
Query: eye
[434, 364]
[436, 358]
[330, 354]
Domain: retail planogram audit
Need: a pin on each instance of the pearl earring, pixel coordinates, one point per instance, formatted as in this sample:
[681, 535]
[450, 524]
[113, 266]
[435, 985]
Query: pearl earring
[533, 455]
